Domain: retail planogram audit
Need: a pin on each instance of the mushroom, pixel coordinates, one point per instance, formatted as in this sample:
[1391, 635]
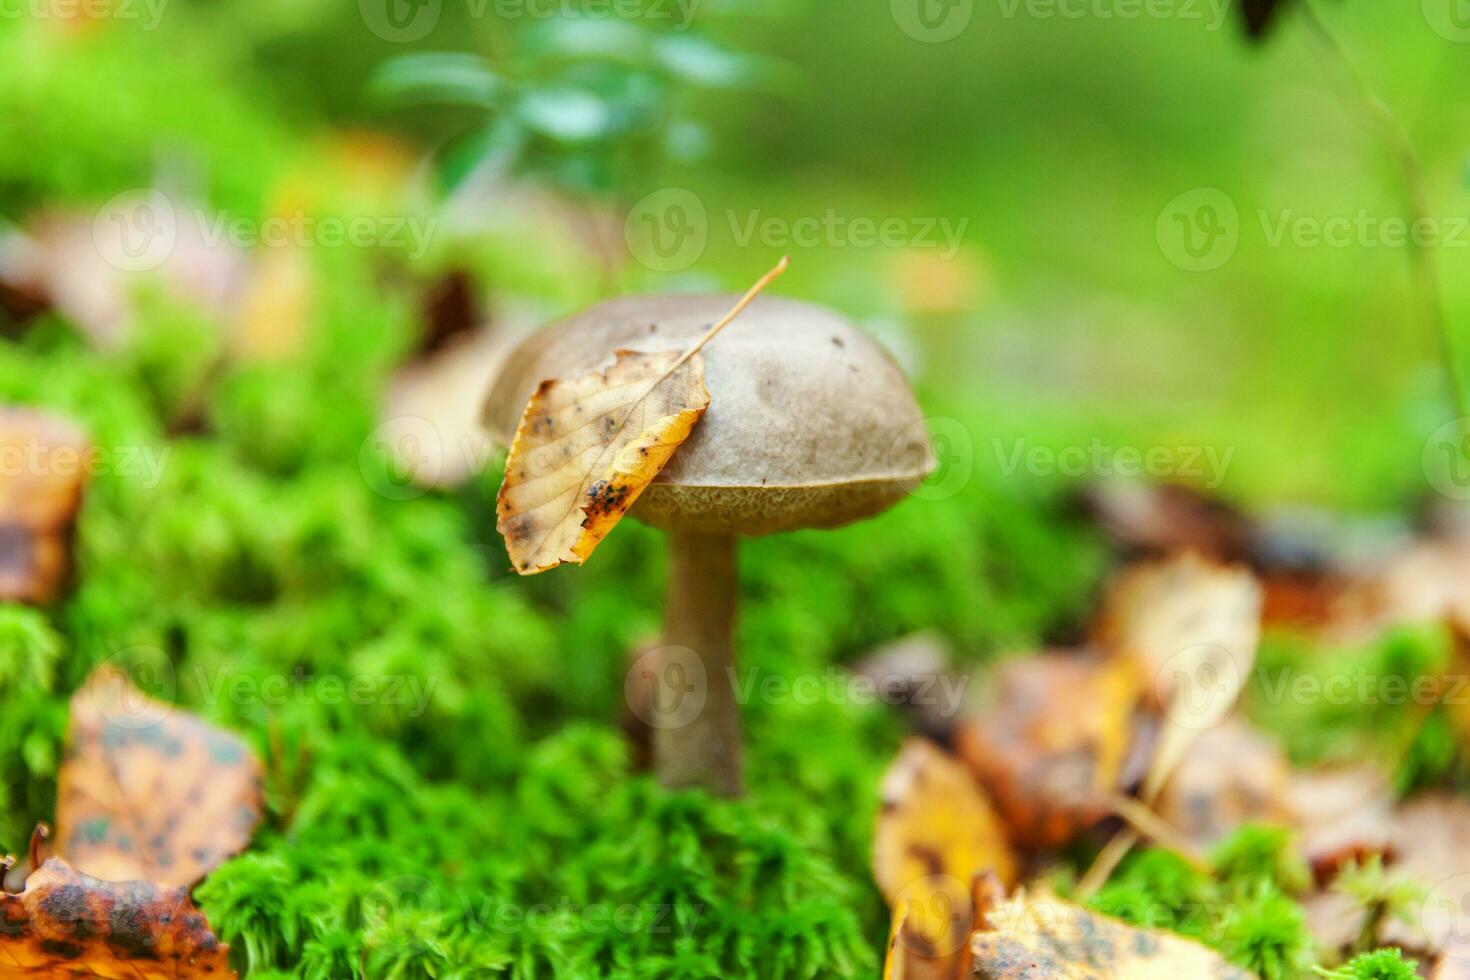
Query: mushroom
[810, 424]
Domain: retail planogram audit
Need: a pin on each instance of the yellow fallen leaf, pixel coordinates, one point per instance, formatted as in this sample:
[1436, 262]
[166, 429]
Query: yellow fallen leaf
[1040, 936]
[935, 833]
[148, 791]
[586, 448]
[911, 957]
[1192, 626]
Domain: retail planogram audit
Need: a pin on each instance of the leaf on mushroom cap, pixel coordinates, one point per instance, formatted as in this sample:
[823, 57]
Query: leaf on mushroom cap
[1039, 936]
[811, 423]
[38, 505]
[586, 449]
[935, 832]
[150, 792]
[66, 924]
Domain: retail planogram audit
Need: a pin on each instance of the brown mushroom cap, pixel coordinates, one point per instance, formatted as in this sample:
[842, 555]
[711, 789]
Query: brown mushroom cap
[810, 424]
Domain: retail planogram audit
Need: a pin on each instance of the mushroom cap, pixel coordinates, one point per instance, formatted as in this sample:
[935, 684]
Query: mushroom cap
[810, 423]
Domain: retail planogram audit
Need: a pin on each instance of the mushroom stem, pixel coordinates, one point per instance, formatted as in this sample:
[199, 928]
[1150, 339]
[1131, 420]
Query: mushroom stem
[706, 751]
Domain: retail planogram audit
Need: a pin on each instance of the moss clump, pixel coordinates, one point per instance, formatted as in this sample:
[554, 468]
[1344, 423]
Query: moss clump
[1383, 964]
[431, 724]
[1379, 700]
[1245, 909]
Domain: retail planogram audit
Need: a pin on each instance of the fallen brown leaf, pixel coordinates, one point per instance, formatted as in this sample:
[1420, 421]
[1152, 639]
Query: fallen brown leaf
[66, 925]
[1191, 627]
[1341, 815]
[1030, 938]
[1165, 615]
[915, 673]
[431, 419]
[1049, 742]
[587, 448]
[44, 460]
[58, 261]
[1158, 519]
[1430, 843]
[935, 833]
[1231, 776]
[149, 792]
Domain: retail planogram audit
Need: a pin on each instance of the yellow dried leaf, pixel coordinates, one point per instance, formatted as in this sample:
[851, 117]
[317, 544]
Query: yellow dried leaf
[1032, 937]
[148, 791]
[585, 449]
[912, 957]
[1192, 627]
[935, 833]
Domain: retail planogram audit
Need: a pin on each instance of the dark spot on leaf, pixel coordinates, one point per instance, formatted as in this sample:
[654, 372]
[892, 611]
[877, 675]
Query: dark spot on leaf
[62, 948]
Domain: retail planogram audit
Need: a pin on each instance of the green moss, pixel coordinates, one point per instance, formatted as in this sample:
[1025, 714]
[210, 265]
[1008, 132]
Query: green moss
[253, 572]
[1377, 700]
[1384, 964]
[1245, 909]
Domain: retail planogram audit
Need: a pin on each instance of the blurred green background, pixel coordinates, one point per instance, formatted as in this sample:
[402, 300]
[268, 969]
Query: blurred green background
[541, 151]
[1056, 134]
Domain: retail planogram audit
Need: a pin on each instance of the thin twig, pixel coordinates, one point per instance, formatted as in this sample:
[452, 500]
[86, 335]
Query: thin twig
[1145, 821]
[739, 307]
[1400, 146]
